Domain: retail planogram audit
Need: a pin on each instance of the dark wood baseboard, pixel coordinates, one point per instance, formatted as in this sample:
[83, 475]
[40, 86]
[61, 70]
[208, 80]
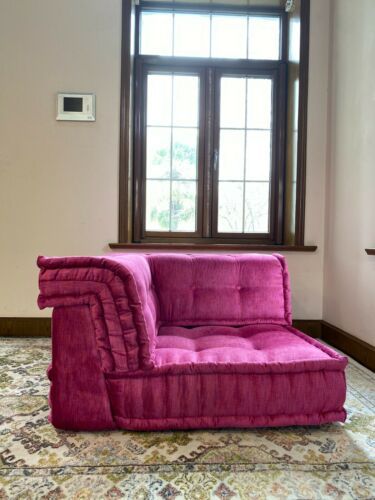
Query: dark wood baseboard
[41, 327]
[25, 327]
[312, 327]
[356, 348]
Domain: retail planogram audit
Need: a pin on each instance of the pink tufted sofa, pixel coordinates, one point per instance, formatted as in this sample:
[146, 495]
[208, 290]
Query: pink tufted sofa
[177, 341]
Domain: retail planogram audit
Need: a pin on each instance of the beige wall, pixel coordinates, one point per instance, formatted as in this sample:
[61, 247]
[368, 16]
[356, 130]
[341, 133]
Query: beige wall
[59, 181]
[349, 274]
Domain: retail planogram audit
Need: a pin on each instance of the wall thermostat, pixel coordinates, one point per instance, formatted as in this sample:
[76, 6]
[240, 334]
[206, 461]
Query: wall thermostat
[76, 107]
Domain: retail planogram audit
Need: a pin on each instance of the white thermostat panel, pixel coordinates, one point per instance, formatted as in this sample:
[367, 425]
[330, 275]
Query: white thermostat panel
[76, 107]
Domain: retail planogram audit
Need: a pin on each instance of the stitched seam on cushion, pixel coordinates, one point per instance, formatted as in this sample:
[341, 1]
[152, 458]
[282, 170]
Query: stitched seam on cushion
[226, 322]
[103, 373]
[127, 272]
[281, 260]
[151, 354]
[148, 374]
[340, 410]
[332, 354]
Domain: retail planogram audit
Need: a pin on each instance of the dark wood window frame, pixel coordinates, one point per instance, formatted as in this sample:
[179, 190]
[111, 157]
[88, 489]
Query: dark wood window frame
[130, 233]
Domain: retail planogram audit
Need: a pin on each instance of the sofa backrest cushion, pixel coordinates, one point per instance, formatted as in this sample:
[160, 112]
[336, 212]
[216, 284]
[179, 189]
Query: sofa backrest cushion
[220, 289]
[119, 291]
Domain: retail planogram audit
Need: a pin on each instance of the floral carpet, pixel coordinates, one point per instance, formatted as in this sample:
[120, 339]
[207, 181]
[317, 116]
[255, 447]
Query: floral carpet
[37, 461]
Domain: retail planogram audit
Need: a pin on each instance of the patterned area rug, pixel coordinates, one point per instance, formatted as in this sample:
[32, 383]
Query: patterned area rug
[37, 461]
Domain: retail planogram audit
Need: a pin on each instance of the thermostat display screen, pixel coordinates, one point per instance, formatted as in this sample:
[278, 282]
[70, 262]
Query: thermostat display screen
[73, 103]
[73, 106]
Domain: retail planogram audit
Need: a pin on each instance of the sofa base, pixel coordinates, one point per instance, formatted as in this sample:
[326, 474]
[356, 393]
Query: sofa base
[194, 395]
[139, 424]
[78, 395]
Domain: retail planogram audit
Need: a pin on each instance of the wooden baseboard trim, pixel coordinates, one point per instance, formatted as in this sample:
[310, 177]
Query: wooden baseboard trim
[354, 347]
[359, 350]
[25, 327]
[312, 327]
[41, 327]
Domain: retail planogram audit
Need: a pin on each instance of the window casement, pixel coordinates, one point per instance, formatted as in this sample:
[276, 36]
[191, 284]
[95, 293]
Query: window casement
[208, 115]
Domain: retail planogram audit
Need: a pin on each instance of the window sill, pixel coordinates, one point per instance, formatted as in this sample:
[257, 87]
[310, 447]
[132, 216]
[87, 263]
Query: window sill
[370, 251]
[213, 247]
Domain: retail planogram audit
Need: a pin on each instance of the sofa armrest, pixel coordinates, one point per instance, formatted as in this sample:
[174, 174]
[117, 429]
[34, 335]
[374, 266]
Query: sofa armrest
[119, 294]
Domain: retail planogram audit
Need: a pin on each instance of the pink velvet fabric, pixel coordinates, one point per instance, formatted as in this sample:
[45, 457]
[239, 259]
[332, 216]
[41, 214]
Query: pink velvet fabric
[221, 289]
[204, 341]
[119, 292]
[217, 376]
[255, 348]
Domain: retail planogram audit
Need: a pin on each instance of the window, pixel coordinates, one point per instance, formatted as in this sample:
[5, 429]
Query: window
[210, 117]
[213, 124]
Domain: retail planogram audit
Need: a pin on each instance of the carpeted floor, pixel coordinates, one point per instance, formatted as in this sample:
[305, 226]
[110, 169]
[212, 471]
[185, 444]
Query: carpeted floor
[332, 461]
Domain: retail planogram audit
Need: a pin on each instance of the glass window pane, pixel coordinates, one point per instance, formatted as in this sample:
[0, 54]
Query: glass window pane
[258, 155]
[157, 205]
[232, 102]
[156, 33]
[229, 36]
[264, 38]
[256, 207]
[230, 215]
[259, 103]
[232, 155]
[185, 100]
[192, 35]
[184, 153]
[183, 215]
[158, 154]
[159, 99]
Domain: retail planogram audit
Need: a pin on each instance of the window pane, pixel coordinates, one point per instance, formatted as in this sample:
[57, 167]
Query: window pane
[184, 159]
[156, 33]
[185, 100]
[258, 155]
[183, 217]
[229, 36]
[192, 35]
[232, 155]
[230, 216]
[157, 205]
[232, 102]
[158, 154]
[264, 38]
[256, 207]
[159, 100]
[259, 103]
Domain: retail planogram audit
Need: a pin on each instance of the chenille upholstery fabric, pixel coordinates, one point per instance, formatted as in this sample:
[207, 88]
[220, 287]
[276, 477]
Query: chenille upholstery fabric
[173, 341]
[221, 289]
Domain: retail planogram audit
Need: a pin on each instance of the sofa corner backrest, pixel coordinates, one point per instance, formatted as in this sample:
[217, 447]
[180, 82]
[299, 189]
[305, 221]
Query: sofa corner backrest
[218, 289]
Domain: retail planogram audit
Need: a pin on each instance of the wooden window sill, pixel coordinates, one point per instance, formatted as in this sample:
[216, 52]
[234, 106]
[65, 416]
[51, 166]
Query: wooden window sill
[370, 251]
[213, 247]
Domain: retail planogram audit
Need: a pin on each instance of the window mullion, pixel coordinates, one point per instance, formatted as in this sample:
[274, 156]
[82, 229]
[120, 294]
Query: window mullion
[208, 120]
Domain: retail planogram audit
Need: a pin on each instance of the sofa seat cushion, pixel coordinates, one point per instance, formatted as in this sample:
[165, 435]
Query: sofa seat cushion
[256, 347]
[231, 377]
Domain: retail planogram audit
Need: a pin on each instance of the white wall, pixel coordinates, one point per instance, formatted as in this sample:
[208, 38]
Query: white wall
[349, 274]
[59, 181]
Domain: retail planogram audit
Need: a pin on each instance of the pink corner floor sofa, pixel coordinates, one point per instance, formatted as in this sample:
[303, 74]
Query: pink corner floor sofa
[178, 341]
